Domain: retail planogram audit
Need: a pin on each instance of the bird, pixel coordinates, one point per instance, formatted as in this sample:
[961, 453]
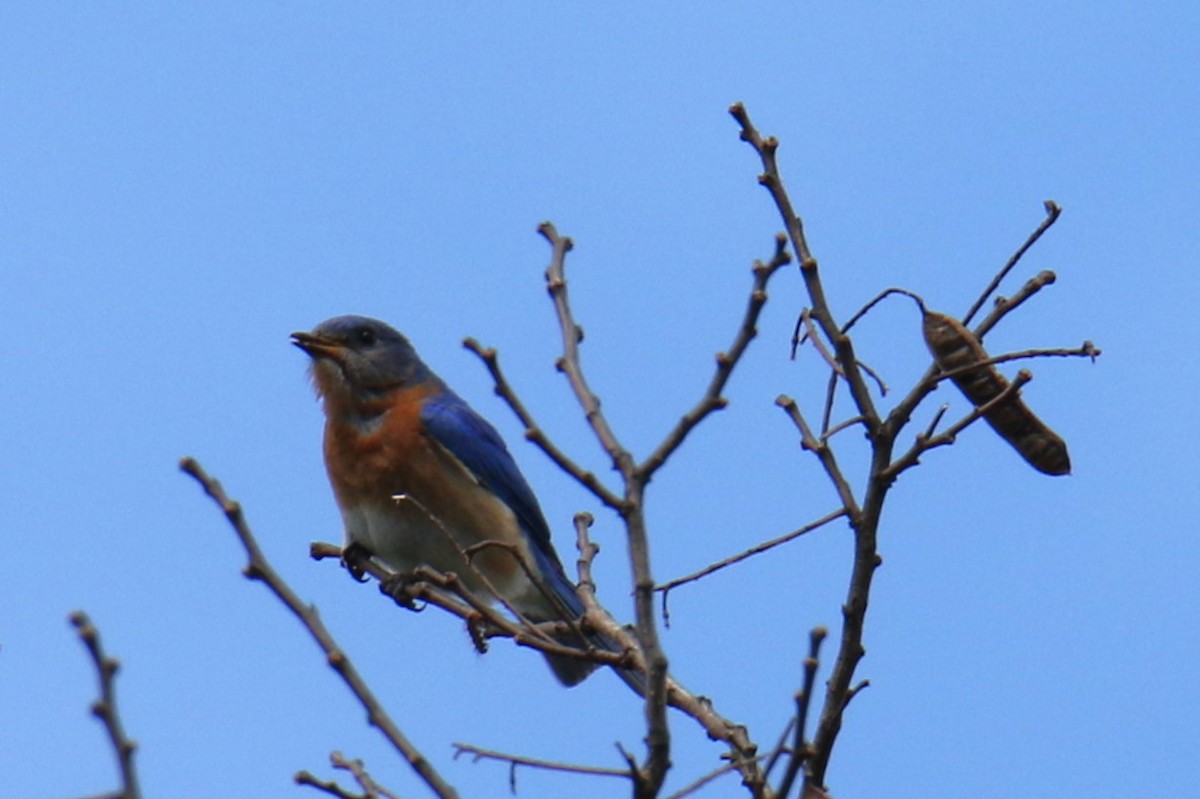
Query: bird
[419, 477]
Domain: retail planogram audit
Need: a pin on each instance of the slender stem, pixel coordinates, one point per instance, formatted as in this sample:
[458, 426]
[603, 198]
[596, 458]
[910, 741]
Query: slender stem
[258, 568]
[1052, 214]
[105, 708]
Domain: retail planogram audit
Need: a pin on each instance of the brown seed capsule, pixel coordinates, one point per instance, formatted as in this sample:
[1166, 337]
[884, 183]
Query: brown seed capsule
[955, 349]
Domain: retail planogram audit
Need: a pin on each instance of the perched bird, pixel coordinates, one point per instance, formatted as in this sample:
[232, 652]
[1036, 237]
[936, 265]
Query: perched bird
[413, 466]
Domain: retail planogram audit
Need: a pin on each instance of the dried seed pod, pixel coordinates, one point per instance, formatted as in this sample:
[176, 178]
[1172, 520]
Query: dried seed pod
[956, 351]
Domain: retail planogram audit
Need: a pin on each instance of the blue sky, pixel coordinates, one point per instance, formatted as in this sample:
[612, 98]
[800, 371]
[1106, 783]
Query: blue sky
[182, 187]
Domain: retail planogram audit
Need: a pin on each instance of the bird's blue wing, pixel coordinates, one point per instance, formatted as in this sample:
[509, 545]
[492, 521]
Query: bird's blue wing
[477, 445]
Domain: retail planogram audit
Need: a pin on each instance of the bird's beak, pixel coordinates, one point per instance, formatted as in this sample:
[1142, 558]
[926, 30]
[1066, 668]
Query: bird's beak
[318, 347]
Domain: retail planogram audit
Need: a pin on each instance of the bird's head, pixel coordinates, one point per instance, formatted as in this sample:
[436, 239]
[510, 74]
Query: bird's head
[358, 357]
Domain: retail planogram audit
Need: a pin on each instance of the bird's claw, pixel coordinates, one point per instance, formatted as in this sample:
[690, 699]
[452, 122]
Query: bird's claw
[353, 556]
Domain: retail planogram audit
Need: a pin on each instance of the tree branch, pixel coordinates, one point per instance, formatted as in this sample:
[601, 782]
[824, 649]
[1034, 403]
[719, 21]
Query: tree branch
[800, 746]
[757, 549]
[370, 788]
[105, 708]
[1052, 214]
[843, 347]
[258, 568]
[726, 361]
[534, 433]
[478, 753]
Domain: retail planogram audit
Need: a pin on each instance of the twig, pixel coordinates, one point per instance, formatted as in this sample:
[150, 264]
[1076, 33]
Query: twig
[800, 746]
[923, 444]
[827, 410]
[811, 335]
[780, 745]
[1085, 350]
[328, 786]
[705, 779]
[649, 777]
[757, 549]
[771, 180]
[258, 568]
[569, 363]
[478, 753]
[646, 649]
[936, 420]
[535, 433]
[1052, 214]
[371, 789]
[105, 708]
[432, 586]
[1006, 305]
[839, 427]
[726, 361]
[824, 455]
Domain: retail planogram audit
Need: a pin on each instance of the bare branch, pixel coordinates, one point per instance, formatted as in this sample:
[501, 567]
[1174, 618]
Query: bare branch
[810, 334]
[1005, 306]
[327, 786]
[105, 708]
[433, 587]
[726, 361]
[824, 454]
[370, 788]
[535, 434]
[1085, 350]
[648, 779]
[705, 779]
[770, 178]
[845, 424]
[800, 745]
[946, 437]
[569, 364]
[478, 753]
[258, 568]
[757, 549]
[1052, 214]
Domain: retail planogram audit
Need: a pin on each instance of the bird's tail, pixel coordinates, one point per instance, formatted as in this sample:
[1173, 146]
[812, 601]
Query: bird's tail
[572, 671]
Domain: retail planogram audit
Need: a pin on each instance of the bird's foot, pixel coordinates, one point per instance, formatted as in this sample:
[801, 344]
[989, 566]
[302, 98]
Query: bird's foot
[354, 555]
[403, 589]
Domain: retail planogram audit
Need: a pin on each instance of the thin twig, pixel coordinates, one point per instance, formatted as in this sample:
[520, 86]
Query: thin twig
[840, 426]
[757, 549]
[330, 787]
[824, 455]
[569, 363]
[105, 708]
[800, 745]
[818, 345]
[1052, 214]
[370, 788]
[827, 410]
[923, 444]
[478, 753]
[649, 777]
[726, 361]
[705, 779]
[535, 433]
[446, 590]
[770, 178]
[258, 568]
[1085, 350]
[1006, 305]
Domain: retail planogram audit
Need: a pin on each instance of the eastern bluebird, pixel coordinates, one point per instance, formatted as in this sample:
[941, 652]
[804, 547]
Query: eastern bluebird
[394, 429]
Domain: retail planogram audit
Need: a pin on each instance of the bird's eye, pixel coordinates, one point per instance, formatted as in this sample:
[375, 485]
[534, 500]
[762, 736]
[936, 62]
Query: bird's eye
[366, 336]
